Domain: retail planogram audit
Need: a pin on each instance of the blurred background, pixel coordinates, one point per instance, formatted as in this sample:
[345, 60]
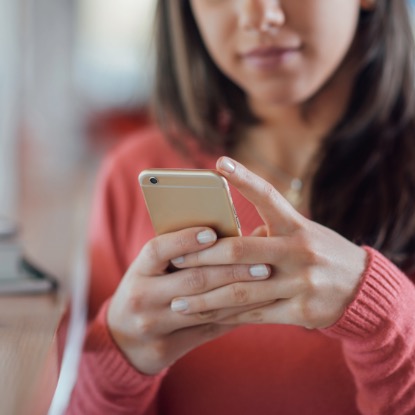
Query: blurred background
[74, 81]
[74, 77]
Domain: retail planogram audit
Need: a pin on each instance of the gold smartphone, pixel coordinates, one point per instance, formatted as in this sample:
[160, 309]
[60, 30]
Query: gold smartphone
[178, 199]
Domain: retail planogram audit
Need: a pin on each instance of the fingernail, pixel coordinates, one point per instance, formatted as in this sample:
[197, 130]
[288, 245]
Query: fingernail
[179, 305]
[227, 165]
[178, 260]
[205, 237]
[259, 271]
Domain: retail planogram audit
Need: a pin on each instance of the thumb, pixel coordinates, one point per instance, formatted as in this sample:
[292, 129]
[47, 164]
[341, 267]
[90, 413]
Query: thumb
[260, 231]
[276, 212]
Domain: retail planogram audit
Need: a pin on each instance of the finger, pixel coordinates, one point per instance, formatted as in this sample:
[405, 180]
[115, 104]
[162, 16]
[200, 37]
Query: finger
[198, 280]
[240, 250]
[242, 294]
[274, 209]
[175, 320]
[157, 293]
[166, 350]
[260, 231]
[185, 340]
[284, 311]
[167, 321]
[156, 254]
[279, 312]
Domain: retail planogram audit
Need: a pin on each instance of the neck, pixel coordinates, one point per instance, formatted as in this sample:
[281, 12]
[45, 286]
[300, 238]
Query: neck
[289, 137]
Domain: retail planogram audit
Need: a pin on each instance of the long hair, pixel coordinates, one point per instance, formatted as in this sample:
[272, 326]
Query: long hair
[191, 94]
[364, 186]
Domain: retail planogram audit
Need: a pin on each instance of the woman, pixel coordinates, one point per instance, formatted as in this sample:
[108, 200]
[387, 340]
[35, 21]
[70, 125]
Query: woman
[312, 310]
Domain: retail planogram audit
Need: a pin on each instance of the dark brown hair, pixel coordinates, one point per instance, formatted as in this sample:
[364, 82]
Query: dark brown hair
[364, 187]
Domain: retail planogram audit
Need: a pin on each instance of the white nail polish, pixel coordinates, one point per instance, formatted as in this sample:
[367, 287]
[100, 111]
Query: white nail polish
[205, 237]
[179, 305]
[258, 271]
[178, 260]
[227, 165]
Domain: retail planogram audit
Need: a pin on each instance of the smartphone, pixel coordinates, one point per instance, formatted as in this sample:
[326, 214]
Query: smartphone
[178, 199]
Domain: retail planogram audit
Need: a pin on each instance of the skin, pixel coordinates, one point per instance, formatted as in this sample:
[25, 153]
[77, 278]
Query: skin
[311, 273]
[233, 27]
[318, 72]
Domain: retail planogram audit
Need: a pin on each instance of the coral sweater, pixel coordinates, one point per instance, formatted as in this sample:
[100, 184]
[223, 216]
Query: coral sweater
[364, 364]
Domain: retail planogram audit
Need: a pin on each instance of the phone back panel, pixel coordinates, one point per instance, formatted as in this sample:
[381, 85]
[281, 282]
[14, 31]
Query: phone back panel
[186, 198]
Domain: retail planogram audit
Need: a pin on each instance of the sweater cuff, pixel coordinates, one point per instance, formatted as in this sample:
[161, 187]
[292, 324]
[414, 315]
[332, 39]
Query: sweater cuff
[376, 303]
[112, 363]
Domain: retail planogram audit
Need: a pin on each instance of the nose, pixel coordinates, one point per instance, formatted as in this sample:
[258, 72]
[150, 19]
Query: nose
[261, 15]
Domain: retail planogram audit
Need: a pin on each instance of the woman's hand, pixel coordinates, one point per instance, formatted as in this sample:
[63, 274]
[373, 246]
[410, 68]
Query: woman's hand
[315, 271]
[140, 317]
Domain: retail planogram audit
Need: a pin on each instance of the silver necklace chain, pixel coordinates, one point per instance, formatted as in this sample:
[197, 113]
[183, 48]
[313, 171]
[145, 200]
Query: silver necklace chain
[295, 184]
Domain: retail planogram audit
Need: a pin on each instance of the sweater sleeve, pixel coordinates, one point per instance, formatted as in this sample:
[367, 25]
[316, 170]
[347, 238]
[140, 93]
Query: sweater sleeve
[377, 332]
[107, 383]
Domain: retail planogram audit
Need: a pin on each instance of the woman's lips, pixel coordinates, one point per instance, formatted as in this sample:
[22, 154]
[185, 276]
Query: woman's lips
[270, 57]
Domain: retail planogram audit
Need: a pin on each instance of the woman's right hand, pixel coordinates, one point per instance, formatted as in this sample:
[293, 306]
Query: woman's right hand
[140, 319]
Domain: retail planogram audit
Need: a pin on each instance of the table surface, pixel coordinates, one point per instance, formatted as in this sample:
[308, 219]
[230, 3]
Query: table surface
[28, 353]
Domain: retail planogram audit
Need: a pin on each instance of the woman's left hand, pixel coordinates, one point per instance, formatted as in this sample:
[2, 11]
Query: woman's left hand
[315, 271]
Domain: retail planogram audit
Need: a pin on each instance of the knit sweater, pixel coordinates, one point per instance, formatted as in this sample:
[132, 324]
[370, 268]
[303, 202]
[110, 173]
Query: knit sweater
[363, 364]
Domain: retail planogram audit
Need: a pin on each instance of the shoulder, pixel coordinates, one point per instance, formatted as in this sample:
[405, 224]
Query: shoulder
[118, 203]
[117, 180]
[119, 169]
[148, 147]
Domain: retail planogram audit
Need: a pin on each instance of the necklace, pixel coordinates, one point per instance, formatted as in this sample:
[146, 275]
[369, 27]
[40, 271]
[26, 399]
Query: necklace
[295, 184]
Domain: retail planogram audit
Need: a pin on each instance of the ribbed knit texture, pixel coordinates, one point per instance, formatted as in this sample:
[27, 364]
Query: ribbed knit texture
[118, 388]
[377, 302]
[378, 337]
[363, 364]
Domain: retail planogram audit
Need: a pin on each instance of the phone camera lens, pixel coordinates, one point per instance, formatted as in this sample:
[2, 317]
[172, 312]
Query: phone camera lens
[154, 180]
